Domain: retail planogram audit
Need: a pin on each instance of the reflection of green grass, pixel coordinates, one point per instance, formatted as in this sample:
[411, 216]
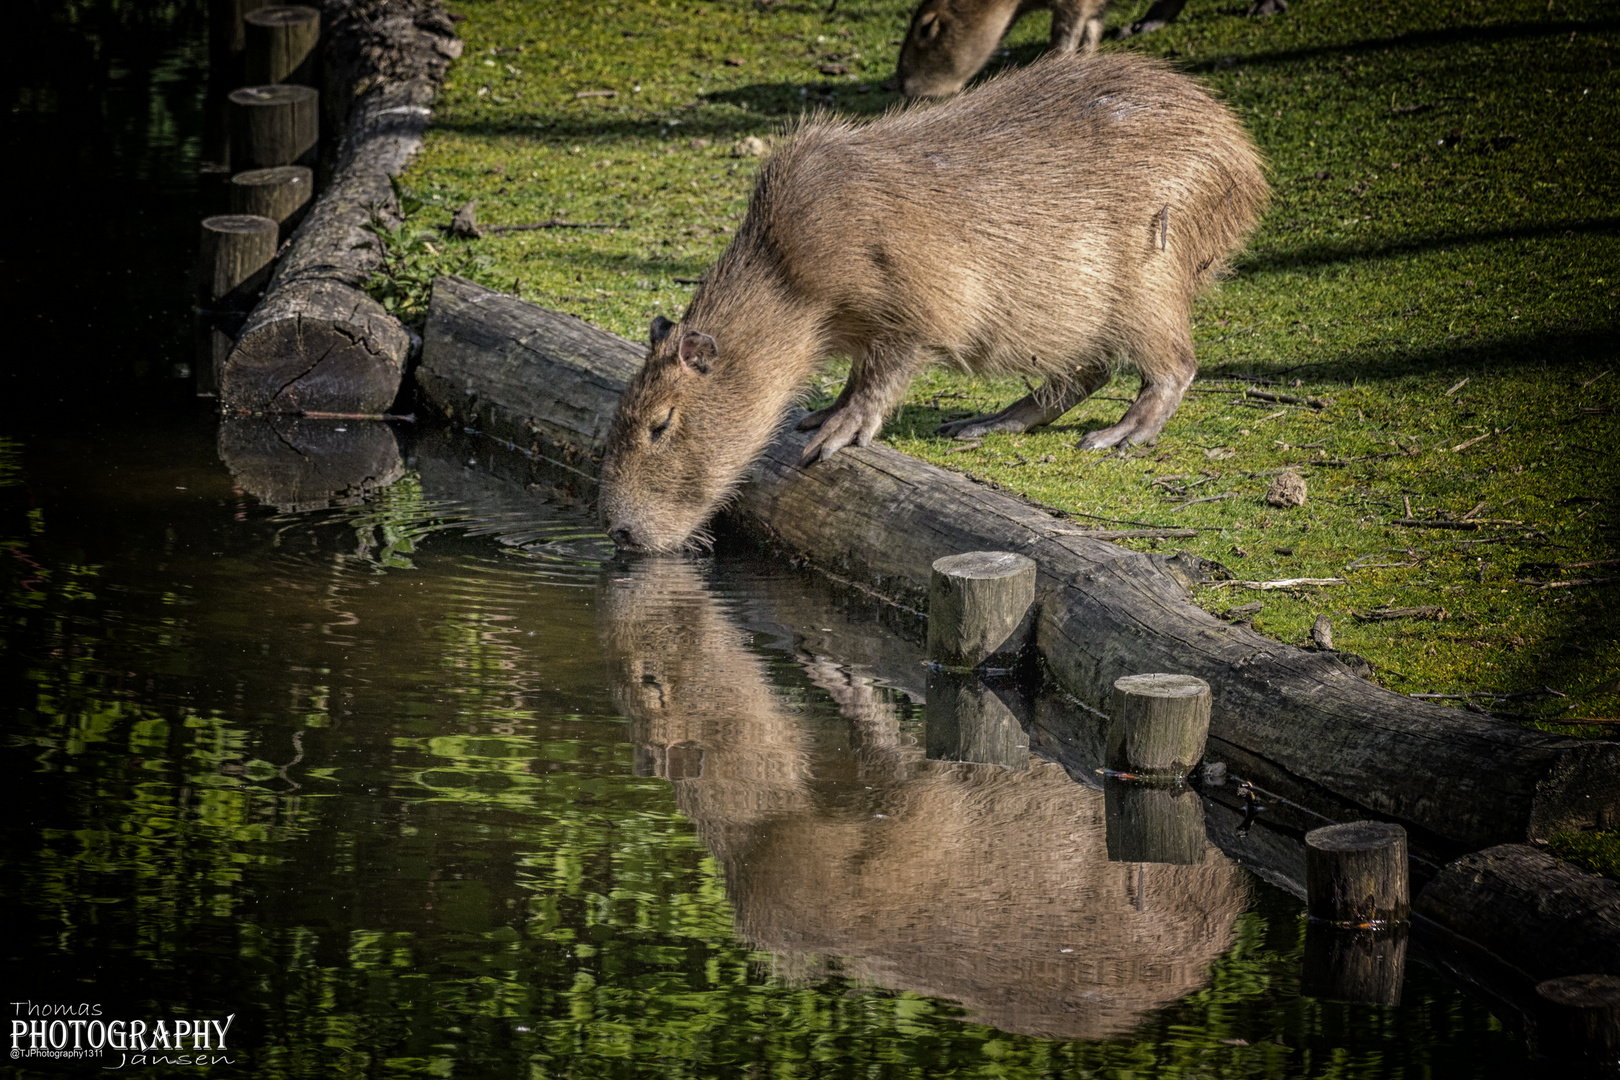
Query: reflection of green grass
[1444, 193]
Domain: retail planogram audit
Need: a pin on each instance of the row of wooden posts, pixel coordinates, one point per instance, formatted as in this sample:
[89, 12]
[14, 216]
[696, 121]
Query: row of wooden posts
[1358, 881]
[271, 150]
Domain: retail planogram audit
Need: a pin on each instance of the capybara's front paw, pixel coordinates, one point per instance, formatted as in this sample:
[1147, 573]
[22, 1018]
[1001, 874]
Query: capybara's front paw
[816, 419]
[847, 426]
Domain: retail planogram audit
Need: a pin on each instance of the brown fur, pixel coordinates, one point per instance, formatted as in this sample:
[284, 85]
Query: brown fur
[950, 40]
[1048, 222]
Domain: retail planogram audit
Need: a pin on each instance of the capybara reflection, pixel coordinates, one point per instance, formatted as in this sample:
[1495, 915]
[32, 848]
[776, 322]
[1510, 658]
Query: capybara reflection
[950, 40]
[1048, 222]
[987, 886]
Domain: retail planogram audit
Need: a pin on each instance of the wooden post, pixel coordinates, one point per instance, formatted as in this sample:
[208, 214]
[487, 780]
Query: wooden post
[1356, 874]
[1366, 967]
[273, 125]
[1160, 724]
[233, 265]
[1579, 1016]
[281, 194]
[978, 609]
[1152, 823]
[967, 721]
[280, 44]
[300, 463]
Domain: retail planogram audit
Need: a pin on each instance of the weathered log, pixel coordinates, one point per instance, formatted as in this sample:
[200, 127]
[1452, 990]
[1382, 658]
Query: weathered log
[280, 44]
[1356, 874]
[233, 265]
[281, 194]
[978, 604]
[1160, 724]
[274, 125]
[1579, 1017]
[1534, 913]
[1153, 823]
[296, 463]
[548, 384]
[317, 342]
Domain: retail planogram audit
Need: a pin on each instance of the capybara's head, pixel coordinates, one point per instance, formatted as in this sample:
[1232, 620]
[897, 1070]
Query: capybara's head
[678, 443]
[949, 41]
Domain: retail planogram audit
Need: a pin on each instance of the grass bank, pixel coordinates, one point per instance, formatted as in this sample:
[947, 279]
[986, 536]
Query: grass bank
[1441, 266]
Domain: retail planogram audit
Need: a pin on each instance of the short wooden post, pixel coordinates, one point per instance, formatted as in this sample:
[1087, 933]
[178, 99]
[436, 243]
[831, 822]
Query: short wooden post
[233, 265]
[280, 44]
[1356, 874]
[1159, 724]
[1152, 823]
[978, 608]
[1366, 967]
[273, 125]
[281, 194]
[967, 721]
[1579, 1016]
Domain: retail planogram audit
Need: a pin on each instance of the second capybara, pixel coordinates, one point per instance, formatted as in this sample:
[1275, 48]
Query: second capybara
[948, 41]
[1049, 222]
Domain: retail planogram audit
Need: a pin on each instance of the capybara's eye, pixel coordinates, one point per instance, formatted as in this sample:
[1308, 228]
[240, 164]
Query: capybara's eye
[656, 432]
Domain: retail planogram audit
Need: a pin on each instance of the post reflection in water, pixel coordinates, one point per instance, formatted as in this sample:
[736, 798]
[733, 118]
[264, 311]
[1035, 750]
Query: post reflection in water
[979, 883]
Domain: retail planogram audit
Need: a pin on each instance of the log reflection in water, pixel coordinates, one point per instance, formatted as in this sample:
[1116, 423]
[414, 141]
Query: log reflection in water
[984, 885]
[295, 463]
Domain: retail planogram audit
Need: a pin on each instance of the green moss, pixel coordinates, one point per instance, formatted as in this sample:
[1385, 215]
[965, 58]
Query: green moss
[1444, 211]
[1597, 851]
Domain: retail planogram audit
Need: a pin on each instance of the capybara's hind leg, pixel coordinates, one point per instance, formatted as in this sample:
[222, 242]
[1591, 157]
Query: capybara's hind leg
[1076, 26]
[1049, 401]
[1167, 369]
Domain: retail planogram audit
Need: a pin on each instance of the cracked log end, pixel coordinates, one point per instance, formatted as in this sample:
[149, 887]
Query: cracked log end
[316, 346]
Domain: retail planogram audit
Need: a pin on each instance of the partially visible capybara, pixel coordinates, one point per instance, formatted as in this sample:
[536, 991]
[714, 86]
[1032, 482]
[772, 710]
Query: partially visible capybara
[950, 40]
[1049, 222]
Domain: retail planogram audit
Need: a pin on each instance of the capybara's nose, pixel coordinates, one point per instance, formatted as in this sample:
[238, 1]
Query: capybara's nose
[621, 536]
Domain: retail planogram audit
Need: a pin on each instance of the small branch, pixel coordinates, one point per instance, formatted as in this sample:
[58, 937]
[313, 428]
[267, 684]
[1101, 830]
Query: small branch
[1261, 395]
[1206, 498]
[595, 93]
[1465, 445]
[1130, 534]
[1567, 584]
[1456, 388]
[557, 223]
[409, 418]
[1475, 523]
[1285, 583]
[1385, 614]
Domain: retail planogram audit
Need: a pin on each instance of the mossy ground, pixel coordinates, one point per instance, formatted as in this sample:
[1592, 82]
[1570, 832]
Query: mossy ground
[1445, 181]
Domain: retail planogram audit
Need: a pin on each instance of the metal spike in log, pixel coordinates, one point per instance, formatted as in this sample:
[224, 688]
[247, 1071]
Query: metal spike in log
[273, 125]
[1160, 724]
[977, 604]
[281, 194]
[233, 266]
[281, 44]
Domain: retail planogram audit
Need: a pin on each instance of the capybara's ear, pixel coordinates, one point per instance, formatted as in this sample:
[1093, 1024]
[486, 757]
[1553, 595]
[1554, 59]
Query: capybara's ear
[928, 26]
[698, 351]
[660, 330]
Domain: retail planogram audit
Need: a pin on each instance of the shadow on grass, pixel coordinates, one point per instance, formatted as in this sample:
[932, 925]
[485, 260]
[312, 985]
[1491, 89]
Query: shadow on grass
[1307, 257]
[1417, 39]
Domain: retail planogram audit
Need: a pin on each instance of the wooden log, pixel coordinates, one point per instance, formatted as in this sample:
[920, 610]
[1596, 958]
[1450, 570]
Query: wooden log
[281, 194]
[233, 265]
[966, 721]
[1153, 823]
[1160, 724]
[1356, 874]
[1528, 910]
[548, 384]
[1579, 1017]
[1365, 967]
[280, 44]
[978, 603]
[274, 125]
[317, 342]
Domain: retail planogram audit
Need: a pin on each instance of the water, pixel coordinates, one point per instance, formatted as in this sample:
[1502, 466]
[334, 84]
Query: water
[390, 763]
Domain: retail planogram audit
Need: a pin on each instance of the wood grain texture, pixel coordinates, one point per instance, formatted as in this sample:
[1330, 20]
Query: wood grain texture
[1356, 874]
[1539, 915]
[317, 342]
[547, 383]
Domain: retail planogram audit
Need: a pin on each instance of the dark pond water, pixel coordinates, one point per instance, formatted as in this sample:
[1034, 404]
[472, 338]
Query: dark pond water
[427, 784]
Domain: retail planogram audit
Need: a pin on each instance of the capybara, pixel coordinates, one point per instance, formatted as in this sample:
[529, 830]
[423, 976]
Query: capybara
[950, 40]
[1050, 221]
